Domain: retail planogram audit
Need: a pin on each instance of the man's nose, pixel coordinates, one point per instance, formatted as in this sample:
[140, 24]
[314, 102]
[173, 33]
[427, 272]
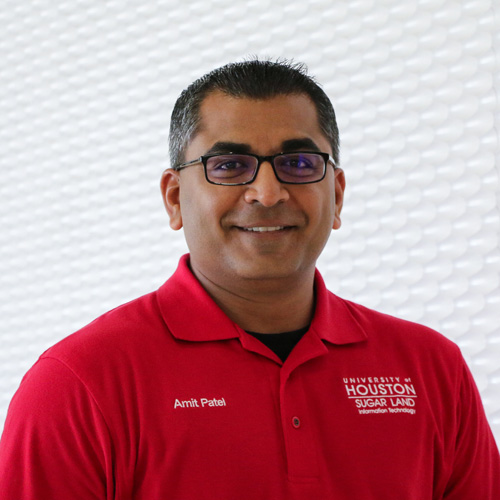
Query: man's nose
[266, 188]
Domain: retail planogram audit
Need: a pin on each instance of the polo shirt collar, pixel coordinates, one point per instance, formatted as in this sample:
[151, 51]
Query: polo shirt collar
[334, 318]
[188, 310]
[191, 314]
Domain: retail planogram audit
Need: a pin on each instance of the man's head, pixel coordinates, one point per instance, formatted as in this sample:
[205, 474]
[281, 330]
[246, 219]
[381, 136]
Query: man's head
[264, 229]
[254, 80]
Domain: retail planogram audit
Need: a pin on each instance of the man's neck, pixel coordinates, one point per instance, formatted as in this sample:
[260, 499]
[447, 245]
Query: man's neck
[264, 306]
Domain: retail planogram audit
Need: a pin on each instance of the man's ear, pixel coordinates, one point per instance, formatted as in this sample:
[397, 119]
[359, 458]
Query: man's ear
[170, 190]
[339, 196]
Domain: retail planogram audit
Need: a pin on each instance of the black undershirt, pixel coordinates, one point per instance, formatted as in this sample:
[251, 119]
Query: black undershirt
[281, 343]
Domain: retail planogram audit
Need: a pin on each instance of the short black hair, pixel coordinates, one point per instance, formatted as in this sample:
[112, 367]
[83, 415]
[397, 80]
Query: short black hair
[254, 79]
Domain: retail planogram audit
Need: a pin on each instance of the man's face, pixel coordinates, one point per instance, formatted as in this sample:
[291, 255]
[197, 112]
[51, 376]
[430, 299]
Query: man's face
[218, 220]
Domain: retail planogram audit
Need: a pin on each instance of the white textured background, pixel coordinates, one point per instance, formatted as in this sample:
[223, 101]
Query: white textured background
[86, 91]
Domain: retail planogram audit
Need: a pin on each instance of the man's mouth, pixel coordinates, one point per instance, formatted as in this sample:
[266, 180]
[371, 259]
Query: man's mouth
[264, 229]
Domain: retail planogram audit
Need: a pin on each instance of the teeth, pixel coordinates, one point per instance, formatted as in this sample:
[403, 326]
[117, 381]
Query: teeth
[264, 229]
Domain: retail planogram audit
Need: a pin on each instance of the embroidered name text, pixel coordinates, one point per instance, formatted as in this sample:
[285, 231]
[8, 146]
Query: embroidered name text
[199, 403]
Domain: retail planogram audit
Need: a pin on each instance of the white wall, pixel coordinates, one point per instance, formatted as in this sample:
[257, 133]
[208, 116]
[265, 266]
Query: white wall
[86, 90]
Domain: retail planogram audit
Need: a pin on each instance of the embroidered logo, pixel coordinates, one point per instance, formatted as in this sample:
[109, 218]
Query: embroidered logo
[378, 395]
[199, 403]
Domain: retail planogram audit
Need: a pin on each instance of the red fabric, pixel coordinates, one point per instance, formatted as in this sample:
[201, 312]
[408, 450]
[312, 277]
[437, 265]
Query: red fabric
[165, 397]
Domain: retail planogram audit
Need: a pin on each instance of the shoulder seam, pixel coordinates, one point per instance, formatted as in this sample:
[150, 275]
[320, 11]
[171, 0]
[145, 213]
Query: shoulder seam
[48, 357]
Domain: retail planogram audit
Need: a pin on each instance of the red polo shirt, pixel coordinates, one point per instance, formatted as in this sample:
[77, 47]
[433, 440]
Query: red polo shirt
[165, 397]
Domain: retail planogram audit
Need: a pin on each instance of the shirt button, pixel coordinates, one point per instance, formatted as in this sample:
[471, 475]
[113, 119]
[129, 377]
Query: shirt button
[296, 422]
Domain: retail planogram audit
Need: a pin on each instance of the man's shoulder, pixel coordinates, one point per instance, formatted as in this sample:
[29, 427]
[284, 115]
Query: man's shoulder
[388, 328]
[400, 346]
[123, 328]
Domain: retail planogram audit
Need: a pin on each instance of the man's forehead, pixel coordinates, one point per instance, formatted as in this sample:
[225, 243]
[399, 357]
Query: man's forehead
[291, 120]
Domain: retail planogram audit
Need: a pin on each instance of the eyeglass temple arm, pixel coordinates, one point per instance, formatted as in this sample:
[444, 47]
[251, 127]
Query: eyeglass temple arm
[187, 164]
[332, 161]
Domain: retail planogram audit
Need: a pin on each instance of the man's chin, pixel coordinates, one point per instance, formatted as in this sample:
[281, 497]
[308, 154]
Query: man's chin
[266, 269]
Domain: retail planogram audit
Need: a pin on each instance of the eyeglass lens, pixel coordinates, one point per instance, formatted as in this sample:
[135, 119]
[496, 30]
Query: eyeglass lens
[294, 168]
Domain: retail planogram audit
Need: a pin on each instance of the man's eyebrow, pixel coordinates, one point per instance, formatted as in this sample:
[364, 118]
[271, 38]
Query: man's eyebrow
[304, 144]
[229, 147]
[224, 147]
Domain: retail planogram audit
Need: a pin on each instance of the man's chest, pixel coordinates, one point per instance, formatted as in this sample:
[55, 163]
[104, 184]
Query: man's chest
[250, 426]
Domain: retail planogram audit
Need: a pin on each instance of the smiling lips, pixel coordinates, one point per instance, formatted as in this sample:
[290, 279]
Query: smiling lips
[262, 229]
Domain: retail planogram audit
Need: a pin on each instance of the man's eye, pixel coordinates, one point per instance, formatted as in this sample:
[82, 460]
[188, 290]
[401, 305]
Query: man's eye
[229, 165]
[224, 167]
[298, 163]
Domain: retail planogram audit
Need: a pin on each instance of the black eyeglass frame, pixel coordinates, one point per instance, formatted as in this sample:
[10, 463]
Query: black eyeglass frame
[260, 159]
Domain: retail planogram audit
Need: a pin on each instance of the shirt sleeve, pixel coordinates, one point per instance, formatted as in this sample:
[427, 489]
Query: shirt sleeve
[55, 443]
[475, 469]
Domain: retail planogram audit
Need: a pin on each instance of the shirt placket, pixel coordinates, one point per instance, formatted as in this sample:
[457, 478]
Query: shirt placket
[300, 437]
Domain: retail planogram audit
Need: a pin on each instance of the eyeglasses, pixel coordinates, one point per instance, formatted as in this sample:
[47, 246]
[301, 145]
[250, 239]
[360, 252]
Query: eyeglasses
[236, 169]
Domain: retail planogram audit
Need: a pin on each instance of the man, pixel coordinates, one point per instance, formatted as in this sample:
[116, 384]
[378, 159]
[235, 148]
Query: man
[242, 377]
